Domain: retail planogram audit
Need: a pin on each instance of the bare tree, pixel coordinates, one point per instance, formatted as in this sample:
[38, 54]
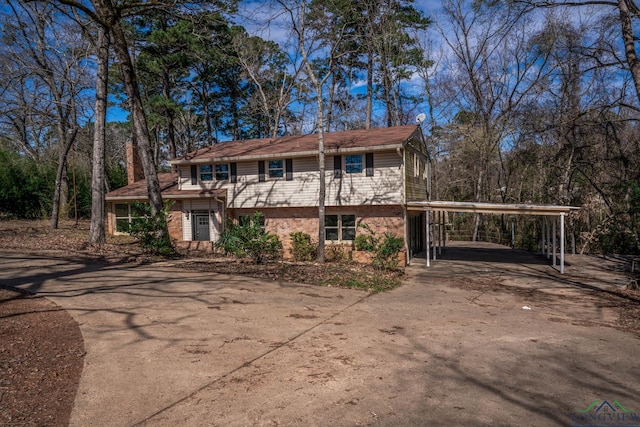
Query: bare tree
[98, 178]
[311, 45]
[265, 63]
[53, 55]
[627, 12]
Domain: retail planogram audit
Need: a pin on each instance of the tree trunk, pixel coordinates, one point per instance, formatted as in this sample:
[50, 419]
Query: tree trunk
[323, 184]
[139, 120]
[629, 44]
[171, 128]
[97, 229]
[367, 123]
[62, 160]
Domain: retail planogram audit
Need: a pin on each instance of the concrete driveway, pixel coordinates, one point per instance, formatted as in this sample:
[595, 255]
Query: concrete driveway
[453, 346]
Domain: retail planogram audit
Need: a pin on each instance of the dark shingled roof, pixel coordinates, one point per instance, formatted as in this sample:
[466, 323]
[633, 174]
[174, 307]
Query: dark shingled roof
[138, 190]
[288, 145]
[168, 186]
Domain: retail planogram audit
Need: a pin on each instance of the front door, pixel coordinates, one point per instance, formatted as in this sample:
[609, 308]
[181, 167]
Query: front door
[201, 227]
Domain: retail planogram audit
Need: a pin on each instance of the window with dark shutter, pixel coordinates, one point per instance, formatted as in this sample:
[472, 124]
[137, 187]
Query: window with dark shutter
[261, 176]
[337, 166]
[234, 172]
[194, 175]
[289, 169]
[369, 164]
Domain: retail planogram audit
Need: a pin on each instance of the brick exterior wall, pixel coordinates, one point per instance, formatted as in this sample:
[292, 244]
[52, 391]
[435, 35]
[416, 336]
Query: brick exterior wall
[284, 221]
[134, 164]
[174, 221]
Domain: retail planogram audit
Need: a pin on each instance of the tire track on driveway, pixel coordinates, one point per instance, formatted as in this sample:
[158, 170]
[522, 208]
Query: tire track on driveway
[249, 362]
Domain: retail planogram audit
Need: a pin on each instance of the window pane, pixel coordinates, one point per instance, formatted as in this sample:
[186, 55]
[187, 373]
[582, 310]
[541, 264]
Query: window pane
[206, 173]
[276, 169]
[331, 234]
[353, 163]
[121, 225]
[331, 220]
[348, 233]
[138, 211]
[276, 173]
[348, 220]
[222, 172]
[122, 210]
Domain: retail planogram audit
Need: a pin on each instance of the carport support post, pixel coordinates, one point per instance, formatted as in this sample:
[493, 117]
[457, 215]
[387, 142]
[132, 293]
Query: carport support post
[562, 243]
[440, 216]
[428, 248]
[554, 242]
[513, 234]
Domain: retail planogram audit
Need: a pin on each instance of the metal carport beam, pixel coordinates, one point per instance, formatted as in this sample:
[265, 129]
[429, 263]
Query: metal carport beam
[495, 208]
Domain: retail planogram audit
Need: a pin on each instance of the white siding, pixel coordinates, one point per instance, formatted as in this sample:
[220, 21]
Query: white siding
[384, 187]
[215, 217]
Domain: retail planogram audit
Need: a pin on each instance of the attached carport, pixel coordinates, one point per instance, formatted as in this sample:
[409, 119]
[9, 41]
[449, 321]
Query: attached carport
[545, 211]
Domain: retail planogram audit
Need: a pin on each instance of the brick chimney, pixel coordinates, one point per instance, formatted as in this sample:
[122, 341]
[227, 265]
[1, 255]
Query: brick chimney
[134, 164]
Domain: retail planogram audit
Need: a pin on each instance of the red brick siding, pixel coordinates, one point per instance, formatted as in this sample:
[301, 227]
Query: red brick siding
[284, 221]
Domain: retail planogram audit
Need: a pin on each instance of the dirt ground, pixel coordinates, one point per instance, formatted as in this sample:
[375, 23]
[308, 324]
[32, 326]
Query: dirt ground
[42, 351]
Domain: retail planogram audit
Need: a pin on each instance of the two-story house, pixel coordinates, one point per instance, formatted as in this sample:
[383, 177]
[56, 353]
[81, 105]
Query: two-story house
[370, 176]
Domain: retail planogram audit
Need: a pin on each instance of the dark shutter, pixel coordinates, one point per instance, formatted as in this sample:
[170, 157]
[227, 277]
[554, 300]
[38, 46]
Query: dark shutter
[369, 164]
[337, 166]
[289, 169]
[261, 177]
[194, 175]
[234, 172]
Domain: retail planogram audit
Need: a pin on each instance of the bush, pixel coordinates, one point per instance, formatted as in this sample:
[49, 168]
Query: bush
[250, 240]
[387, 251]
[385, 248]
[366, 242]
[149, 228]
[302, 248]
[335, 253]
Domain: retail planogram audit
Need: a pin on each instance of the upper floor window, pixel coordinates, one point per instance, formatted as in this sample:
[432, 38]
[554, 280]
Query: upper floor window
[353, 163]
[276, 169]
[222, 172]
[206, 173]
[340, 227]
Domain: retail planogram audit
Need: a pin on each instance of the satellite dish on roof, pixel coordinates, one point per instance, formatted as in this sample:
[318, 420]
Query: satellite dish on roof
[421, 118]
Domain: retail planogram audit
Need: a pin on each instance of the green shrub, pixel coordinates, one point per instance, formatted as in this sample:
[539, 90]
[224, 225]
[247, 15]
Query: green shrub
[148, 228]
[302, 248]
[366, 242]
[387, 251]
[250, 240]
[335, 253]
[385, 248]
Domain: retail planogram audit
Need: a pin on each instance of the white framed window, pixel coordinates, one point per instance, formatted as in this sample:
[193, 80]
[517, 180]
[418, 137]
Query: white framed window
[353, 163]
[124, 214]
[206, 173]
[222, 172]
[340, 227]
[276, 169]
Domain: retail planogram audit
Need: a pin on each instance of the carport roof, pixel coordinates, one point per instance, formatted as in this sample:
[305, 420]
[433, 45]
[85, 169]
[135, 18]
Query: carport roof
[492, 208]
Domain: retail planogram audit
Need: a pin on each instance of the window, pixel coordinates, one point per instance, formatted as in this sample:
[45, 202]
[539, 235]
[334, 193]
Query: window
[206, 173]
[353, 163]
[340, 227]
[125, 213]
[222, 172]
[276, 169]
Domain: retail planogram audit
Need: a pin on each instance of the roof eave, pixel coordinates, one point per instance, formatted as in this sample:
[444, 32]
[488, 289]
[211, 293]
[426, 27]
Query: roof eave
[359, 149]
